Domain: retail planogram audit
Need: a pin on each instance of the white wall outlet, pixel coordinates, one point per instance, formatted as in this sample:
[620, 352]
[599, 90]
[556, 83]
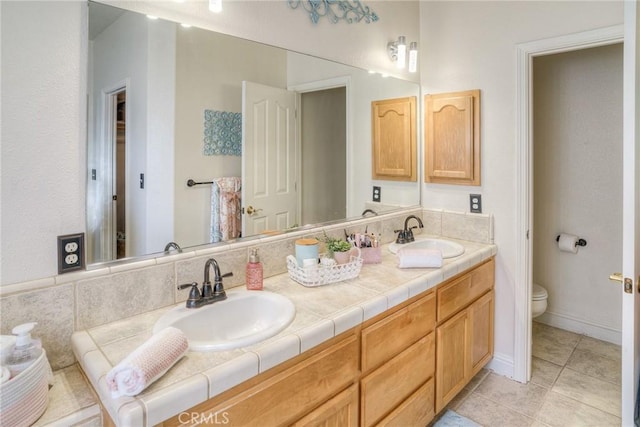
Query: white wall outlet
[70, 252]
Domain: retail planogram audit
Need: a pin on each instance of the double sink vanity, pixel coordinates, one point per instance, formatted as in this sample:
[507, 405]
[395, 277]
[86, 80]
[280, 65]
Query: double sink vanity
[391, 347]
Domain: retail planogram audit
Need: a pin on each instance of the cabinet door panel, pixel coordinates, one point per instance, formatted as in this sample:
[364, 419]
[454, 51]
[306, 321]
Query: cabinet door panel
[481, 317]
[388, 337]
[339, 411]
[386, 387]
[394, 139]
[452, 138]
[452, 372]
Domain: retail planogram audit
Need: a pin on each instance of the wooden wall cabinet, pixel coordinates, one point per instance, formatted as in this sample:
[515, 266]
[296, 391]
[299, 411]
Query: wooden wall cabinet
[452, 138]
[464, 336]
[394, 136]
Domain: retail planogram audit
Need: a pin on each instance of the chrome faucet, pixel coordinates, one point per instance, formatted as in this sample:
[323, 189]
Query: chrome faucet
[406, 235]
[371, 211]
[209, 294]
[172, 245]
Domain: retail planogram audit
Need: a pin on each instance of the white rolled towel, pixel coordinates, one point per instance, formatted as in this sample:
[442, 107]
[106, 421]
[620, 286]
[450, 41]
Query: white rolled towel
[419, 258]
[147, 363]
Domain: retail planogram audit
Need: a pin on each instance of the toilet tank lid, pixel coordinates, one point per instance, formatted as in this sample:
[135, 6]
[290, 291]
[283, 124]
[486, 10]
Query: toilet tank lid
[539, 292]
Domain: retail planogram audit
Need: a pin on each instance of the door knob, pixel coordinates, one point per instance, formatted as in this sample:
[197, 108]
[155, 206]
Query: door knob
[251, 210]
[617, 277]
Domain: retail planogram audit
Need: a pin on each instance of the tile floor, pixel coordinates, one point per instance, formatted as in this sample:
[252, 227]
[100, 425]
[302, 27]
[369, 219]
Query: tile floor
[575, 381]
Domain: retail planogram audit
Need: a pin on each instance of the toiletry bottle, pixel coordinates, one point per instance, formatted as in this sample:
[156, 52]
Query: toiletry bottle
[254, 272]
[26, 350]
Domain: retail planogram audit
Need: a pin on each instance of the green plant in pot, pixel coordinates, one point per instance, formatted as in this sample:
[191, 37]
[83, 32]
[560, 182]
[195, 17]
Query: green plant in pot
[338, 249]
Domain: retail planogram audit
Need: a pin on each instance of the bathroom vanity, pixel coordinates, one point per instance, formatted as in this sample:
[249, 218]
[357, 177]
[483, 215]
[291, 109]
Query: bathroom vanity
[392, 347]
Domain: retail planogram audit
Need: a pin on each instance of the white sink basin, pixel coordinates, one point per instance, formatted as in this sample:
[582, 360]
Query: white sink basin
[448, 248]
[244, 318]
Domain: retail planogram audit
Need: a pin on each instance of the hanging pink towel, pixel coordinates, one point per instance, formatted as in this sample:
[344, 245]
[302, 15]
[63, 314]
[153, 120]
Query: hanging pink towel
[226, 218]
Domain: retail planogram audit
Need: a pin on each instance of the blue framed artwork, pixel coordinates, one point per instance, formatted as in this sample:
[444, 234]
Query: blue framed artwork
[222, 133]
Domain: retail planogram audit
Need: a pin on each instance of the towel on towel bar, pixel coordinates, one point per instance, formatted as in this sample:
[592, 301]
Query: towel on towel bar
[147, 363]
[419, 258]
[226, 217]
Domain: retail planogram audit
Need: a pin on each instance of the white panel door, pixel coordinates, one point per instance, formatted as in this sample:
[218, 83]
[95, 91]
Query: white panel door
[631, 216]
[269, 167]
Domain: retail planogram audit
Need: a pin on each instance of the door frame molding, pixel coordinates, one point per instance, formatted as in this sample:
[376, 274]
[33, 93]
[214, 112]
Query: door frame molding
[107, 158]
[525, 52]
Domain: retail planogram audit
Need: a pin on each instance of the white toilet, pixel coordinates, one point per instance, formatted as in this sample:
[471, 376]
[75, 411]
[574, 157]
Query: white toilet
[539, 300]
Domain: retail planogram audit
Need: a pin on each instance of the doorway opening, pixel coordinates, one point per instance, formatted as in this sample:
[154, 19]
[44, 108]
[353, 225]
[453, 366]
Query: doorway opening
[119, 144]
[525, 227]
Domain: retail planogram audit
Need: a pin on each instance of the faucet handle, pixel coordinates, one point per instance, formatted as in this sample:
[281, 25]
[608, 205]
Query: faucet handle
[195, 297]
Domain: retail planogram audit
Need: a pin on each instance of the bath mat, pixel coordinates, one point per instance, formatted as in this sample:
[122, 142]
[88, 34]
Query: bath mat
[453, 419]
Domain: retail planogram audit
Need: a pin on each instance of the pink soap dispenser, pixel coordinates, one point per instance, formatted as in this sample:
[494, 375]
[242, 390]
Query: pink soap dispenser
[254, 272]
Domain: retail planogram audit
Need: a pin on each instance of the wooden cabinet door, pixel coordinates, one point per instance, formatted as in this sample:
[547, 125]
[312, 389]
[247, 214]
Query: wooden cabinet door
[481, 318]
[452, 138]
[339, 411]
[417, 410]
[453, 340]
[394, 139]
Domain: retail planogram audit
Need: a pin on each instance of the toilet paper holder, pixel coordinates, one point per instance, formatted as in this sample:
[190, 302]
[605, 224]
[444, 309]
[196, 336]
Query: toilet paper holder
[580, 242]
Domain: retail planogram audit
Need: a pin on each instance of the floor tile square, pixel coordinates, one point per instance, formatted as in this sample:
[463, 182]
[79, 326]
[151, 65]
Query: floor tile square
[544, 373]
[552, 344]
[523, 398]
[560, 411]
[591, 391]
[592, 364]
[489, 413]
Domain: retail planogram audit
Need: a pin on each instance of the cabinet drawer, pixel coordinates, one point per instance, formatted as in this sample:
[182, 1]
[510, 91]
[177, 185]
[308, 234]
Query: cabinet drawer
[386, 387]
[291, 394]
[456, 295]
[339, 411]
[388, 337]
[417, 410]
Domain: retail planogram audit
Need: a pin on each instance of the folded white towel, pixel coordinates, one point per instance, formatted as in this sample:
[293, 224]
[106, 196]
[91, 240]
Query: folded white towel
[419, 258]
[147, 363]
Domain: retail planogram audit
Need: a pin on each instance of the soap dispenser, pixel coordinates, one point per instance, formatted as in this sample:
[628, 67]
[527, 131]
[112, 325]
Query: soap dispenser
[254, 272]
[26, 350]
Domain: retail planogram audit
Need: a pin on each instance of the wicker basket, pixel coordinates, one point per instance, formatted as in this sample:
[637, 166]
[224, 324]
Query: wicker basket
[24, 398]
[324, 274]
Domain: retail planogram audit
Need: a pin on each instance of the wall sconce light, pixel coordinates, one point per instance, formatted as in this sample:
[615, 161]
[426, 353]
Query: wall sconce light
[215, 6]
[398, 53]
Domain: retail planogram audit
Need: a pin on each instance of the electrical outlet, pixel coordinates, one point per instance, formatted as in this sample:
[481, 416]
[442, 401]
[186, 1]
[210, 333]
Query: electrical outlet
[475, 203]
[377, 196]
[70, 252]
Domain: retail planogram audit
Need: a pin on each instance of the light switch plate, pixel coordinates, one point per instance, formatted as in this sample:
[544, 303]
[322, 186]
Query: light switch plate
[475, 203]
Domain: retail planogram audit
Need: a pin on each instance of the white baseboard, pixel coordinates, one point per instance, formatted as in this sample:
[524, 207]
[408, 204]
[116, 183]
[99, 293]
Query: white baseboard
[579, 326]
[501, 364]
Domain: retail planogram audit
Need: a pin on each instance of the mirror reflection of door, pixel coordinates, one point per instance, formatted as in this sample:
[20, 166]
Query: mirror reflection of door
[269, 182]
[119, 174]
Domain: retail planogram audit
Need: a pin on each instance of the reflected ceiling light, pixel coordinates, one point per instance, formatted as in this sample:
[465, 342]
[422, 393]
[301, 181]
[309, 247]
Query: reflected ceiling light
[215, 6]
[152, 17]
[397, 51]
[183, 25]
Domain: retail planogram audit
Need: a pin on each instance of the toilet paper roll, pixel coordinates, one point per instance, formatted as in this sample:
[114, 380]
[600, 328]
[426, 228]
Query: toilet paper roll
[567, 243]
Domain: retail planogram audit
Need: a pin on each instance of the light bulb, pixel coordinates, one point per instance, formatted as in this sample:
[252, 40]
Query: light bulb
[215, 6]
[413, 57]
[402, 52]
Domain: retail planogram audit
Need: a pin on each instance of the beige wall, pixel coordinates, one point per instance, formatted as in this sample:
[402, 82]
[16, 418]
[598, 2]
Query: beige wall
[578, 187]
[469, 45]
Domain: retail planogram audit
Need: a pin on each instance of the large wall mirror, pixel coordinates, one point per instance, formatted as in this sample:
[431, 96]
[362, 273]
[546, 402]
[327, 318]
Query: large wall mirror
[169, 104]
